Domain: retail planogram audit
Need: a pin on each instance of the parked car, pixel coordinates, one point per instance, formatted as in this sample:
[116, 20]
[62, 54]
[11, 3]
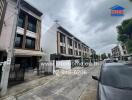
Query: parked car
[115, 82]
[107, 61]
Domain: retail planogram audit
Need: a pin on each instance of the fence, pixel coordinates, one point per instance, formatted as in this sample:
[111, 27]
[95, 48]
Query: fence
[16, 74]
[46, 67]
[75, 63]
[64, 64]
[68, 64]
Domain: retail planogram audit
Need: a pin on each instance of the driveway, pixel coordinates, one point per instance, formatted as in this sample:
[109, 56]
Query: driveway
[69, 85]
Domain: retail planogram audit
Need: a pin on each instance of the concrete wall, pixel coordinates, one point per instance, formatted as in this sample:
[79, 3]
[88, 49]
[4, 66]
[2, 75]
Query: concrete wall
[47, 66]
[7, 26]
[49, 43]
[64, 64]
[122, 50]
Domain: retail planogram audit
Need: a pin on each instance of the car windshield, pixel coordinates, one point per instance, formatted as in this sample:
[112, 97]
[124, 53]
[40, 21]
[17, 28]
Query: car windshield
[118, 76]
[108, 61]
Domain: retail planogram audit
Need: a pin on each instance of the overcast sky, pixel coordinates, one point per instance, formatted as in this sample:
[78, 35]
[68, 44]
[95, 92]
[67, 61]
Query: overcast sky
[89, 20]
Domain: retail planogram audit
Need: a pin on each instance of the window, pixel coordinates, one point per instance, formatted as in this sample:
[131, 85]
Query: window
[62, 49]
[79, 53]
[123, 47]
[79, 46]
[18, 41]
[76, 52]
[30, 43]
[21, 22]
[75, 44]
[69, 41]
[87, 49]
[84, 48]
[32, 24]
[124, 52]
[62, 38]
[70, 51]
[21, 19]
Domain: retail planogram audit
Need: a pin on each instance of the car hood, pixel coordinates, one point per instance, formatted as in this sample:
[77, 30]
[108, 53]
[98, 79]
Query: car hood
[111, 93]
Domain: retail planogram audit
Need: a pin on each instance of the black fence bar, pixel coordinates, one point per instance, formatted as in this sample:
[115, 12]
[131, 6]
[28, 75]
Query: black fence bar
[16, 75]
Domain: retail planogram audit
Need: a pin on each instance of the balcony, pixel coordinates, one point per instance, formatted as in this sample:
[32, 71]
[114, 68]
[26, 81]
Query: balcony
[28, 33]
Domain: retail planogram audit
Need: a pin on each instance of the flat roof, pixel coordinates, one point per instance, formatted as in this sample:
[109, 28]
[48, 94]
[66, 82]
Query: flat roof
[29, 6]
[68, 33]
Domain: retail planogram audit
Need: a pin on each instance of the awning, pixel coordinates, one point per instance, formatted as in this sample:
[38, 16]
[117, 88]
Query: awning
[22, 52]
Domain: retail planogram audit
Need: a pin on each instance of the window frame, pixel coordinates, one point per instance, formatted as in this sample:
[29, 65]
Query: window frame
[20, 41]
[32, 43]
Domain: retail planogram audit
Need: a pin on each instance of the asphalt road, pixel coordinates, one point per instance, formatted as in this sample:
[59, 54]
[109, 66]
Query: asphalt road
[70, 85]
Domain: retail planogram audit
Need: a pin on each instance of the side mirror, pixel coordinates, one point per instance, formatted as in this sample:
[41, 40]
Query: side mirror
[95, 78]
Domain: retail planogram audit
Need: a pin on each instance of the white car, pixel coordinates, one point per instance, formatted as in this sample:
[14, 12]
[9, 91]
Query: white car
[107, 61]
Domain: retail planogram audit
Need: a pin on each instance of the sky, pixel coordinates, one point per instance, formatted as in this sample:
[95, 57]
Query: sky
[88, 20]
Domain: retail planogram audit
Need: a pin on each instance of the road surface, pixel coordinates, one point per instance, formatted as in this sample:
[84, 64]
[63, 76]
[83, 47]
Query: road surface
[75, 85]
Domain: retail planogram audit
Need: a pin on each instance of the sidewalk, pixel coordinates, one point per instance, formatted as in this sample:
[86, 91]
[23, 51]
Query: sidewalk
[33, 82]
[24, 87]
[20, 89]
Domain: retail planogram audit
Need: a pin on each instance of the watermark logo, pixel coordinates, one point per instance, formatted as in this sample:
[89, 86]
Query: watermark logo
[117, 10]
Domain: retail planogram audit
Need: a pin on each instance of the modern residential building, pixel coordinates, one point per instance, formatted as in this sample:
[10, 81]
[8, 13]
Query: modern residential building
[59, 44]
[92, 51]
[3, 5]
[28, 34]
[92, 55]
[119, 51]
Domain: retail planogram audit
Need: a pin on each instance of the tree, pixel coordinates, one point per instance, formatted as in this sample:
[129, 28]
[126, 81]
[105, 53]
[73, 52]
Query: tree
[125, 33]
[129, 45]
[95, 57]
[109, 55]
[103, 56]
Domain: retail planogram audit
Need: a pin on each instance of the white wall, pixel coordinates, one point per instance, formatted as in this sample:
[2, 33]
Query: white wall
[64, 64]
[49, 42]
[7, 26]
[47, 66]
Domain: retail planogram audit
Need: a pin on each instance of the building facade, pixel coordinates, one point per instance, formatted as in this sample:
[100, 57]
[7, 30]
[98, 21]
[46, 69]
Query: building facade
[60, 44]
[119, 51]
[28, 34]
[3, 5]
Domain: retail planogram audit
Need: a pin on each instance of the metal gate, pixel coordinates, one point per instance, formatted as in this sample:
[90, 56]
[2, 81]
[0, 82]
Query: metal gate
[78, 64]
[16, 75]
[45, 68]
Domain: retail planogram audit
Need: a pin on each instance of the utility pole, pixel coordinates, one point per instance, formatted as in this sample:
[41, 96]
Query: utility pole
[93, 59]
[82, 60]
[7, 64]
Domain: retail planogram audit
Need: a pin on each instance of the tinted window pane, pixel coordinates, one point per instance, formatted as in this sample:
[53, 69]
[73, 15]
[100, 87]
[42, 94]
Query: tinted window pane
[62, 38]
[30, 43]
[21, 19]
[62, 49]
[18, 41]
[32, 24]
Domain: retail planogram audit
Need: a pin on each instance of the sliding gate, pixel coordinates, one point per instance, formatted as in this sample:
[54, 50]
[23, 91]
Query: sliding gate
[16, 75]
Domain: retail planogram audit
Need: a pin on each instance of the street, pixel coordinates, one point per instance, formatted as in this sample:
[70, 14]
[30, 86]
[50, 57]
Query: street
[67, 87]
